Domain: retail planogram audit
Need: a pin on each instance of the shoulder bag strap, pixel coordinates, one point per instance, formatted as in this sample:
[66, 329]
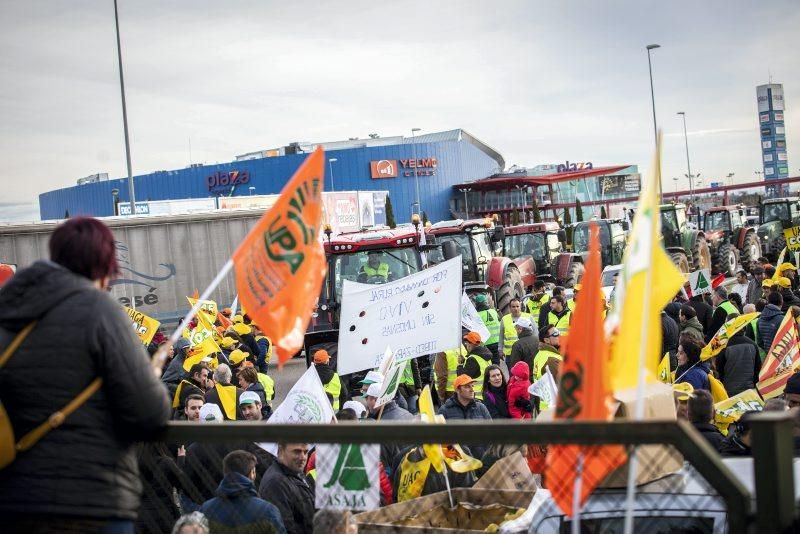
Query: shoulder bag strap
[12, 348]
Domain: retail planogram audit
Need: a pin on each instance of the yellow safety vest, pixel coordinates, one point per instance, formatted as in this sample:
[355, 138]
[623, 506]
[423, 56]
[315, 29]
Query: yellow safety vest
[571, 304]
[408, 375]
[269, 385]
[452, 367]
[561, 324]
[382, 270]
[728, 307]
[534, 306]
[492, 323]
[482, 365]
[510, 331]
[540, 360]
[334, 388]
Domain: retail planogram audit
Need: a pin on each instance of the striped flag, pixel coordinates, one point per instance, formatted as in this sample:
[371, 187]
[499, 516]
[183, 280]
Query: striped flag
[782, 359]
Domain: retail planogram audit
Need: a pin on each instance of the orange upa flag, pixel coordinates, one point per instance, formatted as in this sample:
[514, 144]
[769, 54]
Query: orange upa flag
[280, 265]
[584, 393]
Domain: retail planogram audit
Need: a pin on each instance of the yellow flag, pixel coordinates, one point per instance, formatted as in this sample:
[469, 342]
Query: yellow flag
[144, 326]
[206, 305]
[664, 371]
[730, 410]
[645, 260]
[724, 334]
[204, 349]
[227, 397]
[428, 415]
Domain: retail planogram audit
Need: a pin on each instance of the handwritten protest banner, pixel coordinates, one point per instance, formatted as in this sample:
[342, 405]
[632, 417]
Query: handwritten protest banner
[144, 326]
[416, 315]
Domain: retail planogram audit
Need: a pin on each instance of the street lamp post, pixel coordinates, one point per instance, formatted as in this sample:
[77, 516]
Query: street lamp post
[688, 165]
[131, 192]
[676, 184]
[653, 102]
[730, 178]
[330, 167]
[416, 175]
[466, 206]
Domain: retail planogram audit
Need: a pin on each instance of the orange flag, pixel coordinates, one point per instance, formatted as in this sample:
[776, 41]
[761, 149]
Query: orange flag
[584, 393]
[280, 265]
[224, 321]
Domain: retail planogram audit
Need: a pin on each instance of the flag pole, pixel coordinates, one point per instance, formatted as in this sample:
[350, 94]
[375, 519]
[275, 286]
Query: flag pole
[234, 305]
[576, 496]
[161, 355]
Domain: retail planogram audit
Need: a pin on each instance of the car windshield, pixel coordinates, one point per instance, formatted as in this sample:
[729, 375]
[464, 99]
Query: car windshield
[373, 266]
[776, 212]
[669, 221]
[609, 278]
[716, 220]
[525, 245]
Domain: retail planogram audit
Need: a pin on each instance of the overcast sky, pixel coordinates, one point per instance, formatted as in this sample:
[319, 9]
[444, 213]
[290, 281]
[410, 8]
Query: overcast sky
[542, 82]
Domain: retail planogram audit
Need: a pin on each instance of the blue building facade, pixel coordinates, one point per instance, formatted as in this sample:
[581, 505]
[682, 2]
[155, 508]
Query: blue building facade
[771, 108]
[440, 160]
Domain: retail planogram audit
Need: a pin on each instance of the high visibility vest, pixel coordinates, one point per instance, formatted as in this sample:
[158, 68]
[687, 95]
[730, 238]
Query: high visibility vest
[269, 385]
[382, 271]
[561, 324]
[510, 332]
[334, 388]
[571, 304]
[728, 307]
[540, 360]
[452, 367]
[482, 365]
[535, 305]
[408, 375]
[492, 322]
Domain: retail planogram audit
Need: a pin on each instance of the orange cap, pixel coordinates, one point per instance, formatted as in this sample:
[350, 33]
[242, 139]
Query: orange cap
[463, 380]
[322, 356]
[472, 337]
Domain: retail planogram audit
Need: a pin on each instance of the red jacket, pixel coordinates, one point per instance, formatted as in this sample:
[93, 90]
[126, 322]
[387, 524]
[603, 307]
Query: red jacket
[387, 496]
[518, 385]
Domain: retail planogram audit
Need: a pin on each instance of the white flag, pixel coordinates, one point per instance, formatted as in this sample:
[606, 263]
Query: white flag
[471, 320]
[545, 388]
[392, 371]
[416, 315]
[305, 403]
[347, 476]
[700, 281]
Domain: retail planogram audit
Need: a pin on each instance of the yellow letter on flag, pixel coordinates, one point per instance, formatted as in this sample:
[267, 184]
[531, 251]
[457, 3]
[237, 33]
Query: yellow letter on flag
[629, 316]
[280, 265]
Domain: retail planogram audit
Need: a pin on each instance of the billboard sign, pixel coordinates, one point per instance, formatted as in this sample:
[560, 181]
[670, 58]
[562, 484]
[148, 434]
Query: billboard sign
[366, 207]
[384, 168]
[255, 201]
[379, 203]
[142, 208]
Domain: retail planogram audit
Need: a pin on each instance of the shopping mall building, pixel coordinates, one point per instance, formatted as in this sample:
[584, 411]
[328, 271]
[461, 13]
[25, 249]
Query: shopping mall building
[452, 173]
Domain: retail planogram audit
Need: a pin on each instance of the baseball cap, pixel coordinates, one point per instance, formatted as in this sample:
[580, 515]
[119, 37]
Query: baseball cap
[480, 298]
[524, 322]
[241, 329]
[356, 407]
[786, 266]
[768, 282]
[322, 356]
[236, 357]
[784, 282]
[237, 319]
[374, 390]
[372, 377]
[249, 397]
[210, 413]
[473, 337]
[684, 390]
[227, 342]
[463, 380]
[793, 385]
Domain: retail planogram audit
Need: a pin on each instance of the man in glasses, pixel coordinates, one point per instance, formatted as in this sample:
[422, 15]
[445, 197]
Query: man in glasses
[548, 354]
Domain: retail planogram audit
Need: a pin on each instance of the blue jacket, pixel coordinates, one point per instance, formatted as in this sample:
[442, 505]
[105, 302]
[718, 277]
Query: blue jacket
[263, 348]
[697, 377]
[768, 324]
[237, 508]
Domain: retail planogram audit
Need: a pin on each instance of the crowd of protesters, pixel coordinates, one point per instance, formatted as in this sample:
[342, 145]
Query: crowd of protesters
[88, 473]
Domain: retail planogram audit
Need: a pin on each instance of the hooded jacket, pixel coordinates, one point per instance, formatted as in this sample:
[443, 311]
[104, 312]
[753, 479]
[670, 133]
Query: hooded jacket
[518, 385]
[768, 324]
[692, 326]
[293, 494]
[524, 348]
[237, 508]
[87, 466]
[738, 364]
[704, 311]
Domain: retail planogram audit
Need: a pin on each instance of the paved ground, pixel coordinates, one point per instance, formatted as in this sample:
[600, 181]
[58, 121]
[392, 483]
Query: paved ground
[286, 377]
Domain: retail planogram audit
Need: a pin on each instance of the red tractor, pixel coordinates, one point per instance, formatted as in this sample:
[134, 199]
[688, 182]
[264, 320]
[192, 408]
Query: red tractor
[479, 242]
[731, 240]
[542, 243]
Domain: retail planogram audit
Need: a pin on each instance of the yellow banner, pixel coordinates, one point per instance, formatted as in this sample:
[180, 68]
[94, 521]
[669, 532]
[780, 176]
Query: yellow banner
[144, 326]
[208, 306]
[730, 410]
[792, 236]
[724, 334]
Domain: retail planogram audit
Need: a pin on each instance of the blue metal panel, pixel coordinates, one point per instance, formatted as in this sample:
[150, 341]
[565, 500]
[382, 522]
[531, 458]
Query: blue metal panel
[458, 161]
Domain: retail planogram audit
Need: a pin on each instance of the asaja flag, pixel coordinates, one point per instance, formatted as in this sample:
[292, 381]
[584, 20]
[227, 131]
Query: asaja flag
[637, 303]
[144, 326]
[664, 370]
[700, 281]
[782, 360]
[208, 306]
[584, 394]
[724, 334]
[392, 372]
[347, 476]
[280, 265]
[730, 410]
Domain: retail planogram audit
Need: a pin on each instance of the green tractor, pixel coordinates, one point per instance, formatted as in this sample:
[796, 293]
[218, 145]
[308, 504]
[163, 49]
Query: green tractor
[774, 216]
[686, 246]
[613, 234]
[730, 240]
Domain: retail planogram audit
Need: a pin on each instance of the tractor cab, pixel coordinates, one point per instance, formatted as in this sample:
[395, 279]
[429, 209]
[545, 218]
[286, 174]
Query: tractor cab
[474, 240]
[776, 215]
[540, 242]
[612, 240]
[673, 224]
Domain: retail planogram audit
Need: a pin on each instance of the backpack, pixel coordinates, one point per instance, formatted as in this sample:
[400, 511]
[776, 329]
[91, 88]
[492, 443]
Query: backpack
[9, 446]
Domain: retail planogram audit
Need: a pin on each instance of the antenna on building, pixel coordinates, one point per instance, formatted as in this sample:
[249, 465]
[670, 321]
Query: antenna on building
[769, 73]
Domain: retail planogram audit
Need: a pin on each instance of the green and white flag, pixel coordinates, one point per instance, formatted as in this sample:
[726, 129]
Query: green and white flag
[347, 476]
[700, 281]
[392, 372]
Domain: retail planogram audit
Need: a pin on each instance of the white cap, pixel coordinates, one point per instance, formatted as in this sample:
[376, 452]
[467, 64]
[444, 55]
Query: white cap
[372, 377]
[374, 390]
[249, 397]
[210, 413]
[524, 322]
[356, 407]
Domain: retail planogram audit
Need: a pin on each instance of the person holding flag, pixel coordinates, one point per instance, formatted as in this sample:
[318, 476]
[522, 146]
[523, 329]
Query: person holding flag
[690, 369]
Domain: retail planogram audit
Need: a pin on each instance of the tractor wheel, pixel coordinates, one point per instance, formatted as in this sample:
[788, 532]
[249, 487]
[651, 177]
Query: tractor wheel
[575, 274]
[512, 288]
[777, 246]
[725, 260]
[681, 261]
[750, 251]
[701, 255]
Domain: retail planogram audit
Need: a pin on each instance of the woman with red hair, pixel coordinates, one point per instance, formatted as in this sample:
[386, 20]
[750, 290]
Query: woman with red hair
[75, 342]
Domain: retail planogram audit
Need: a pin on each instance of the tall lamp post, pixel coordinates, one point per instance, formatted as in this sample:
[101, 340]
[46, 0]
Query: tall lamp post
[416, 175]
[131, 192]
[653, 102]
[466, 206]
[330, 168]
[730, 178]
[688, 165]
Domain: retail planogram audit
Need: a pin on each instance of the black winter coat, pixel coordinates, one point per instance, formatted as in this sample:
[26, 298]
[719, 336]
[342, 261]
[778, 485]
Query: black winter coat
[738, 364]
[86, 467]
[670, 333]
[524, 349]
[768, 324]
[712, 435]
[496, 401]
[704, 311]
[293, 494]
